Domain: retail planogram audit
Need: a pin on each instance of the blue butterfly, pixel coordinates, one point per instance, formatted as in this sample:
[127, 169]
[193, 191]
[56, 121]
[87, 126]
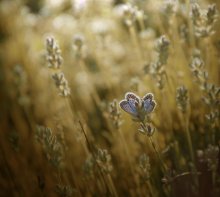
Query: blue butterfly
[136, 106]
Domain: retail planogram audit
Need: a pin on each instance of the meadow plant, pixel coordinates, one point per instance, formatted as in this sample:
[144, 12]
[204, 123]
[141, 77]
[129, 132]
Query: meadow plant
[64, 190]
[103, 159]
[52, 147]
[78, 41]
[61, 83]
[115, 114]
[55, 59]
[88, 167]
[204, 20]
[145, 167]
[53, 53]
[139, 109]
[157, 69]
[182, 98]
[145, 170]
[211, 92]
[66, 135]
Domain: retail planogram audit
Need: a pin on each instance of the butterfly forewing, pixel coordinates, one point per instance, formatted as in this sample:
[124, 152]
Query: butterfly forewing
[133, 100]
[131, 96]
[149, 106]
[126, 106]
[148, 96]
[149, 103]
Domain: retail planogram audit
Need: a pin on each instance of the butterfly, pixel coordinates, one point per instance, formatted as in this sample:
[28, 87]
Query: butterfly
[136, 106]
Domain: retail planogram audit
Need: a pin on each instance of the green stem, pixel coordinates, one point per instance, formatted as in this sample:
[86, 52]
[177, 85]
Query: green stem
[189, 140]
[112, 186]
[127, 152]
[190, 24]
[158, 154]
[91, 150]
[136, 43]
[151, 192]
[156, 151]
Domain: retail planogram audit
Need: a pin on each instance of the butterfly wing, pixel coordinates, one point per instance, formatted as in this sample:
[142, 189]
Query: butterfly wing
[131, 96]
[149, 103]
[128, 107]
[133, 100]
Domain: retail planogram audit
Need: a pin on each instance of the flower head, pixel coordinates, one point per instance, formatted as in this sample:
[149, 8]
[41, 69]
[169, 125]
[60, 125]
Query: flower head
[54, 57]
[61, 83]
[182, 98]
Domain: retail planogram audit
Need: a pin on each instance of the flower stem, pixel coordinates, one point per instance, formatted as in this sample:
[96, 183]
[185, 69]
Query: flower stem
[190, 24]
[127, 152]
[112, 186]
[189, 140]
[151, 192]
[158, 154]
[156, 151]
[134, 38]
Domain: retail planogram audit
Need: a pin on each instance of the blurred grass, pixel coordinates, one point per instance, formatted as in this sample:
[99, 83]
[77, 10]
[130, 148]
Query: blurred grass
[117, 48]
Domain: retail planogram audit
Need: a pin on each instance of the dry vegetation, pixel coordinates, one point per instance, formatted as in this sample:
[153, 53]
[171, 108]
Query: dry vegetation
[64, 68]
